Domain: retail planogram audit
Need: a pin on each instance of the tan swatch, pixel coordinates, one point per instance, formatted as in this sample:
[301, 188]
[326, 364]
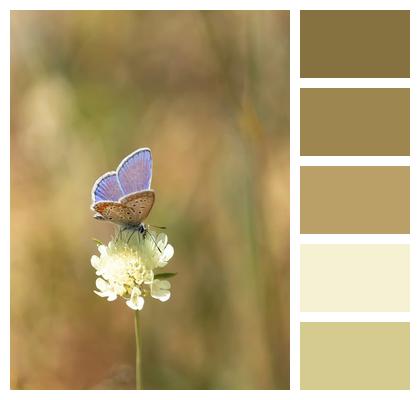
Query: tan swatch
[355, 200]
[355, 44]
[354, 278]
[355, 355]
[355, 122]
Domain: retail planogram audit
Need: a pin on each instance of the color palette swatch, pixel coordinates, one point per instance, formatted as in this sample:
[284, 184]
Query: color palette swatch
[354, 277]
[355, 44]
[355, 122]
[356, 181]
[355, 355]
[355, 200]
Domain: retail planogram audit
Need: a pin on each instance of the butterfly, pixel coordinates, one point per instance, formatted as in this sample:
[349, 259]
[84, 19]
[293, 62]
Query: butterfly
[124, 196]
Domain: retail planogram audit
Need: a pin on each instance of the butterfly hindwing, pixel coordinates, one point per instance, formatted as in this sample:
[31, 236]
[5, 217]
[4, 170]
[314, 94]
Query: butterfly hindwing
[106, 188]
[116, 212]
[140, 203]
[135, 171]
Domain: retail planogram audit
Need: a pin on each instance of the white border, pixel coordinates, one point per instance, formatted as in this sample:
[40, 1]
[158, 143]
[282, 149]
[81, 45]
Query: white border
[294, 6]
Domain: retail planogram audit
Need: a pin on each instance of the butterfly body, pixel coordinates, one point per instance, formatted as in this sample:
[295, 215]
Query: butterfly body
[124, 197]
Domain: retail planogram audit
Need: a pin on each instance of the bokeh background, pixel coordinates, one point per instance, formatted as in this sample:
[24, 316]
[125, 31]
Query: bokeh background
[208, 92]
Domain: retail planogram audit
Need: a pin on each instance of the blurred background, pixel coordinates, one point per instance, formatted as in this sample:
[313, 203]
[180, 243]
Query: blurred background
[208, 92]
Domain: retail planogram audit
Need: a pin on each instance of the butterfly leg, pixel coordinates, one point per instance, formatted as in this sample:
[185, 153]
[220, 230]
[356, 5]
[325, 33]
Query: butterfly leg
[138, 235]
[129, 238]
[121, 230]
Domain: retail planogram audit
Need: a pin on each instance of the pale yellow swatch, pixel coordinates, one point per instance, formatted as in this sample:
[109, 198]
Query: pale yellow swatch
[355, 355]
[367, 277]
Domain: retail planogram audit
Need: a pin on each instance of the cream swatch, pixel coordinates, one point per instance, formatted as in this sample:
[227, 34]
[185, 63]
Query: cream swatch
[366, 277]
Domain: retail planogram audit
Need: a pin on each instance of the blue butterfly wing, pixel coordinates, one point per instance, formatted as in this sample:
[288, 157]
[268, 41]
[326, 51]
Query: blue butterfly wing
[107, 188]
[135, 171]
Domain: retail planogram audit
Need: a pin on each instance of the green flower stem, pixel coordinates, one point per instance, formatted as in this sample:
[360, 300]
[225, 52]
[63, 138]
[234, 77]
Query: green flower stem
[138, 349]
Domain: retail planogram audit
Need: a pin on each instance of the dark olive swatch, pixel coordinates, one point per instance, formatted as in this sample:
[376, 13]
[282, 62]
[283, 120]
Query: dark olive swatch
[355, 44]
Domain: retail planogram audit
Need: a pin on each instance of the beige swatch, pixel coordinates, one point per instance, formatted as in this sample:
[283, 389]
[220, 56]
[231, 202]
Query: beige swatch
[355, 44]
[355, 122]
[355, 200]
[368, 277]
[355, 355]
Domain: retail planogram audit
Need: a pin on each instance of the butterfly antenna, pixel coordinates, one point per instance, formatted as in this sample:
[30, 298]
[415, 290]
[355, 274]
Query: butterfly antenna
[154, 241]
[158, 227]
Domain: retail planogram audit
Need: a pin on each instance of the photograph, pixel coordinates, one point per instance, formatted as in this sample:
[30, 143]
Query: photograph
[150, 200]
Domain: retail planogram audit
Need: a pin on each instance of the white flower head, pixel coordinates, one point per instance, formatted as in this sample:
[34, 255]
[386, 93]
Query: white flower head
[127, 267]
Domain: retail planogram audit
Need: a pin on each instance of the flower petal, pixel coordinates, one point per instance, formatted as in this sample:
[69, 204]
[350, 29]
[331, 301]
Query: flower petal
[102, 249]
[101, 294]
[105, 290]
[102, 285]
[111, 296]
[94, 261]
[136, 302]
[166, 255]
[165, 285]
[162, 240]
[160, 290]
[163, 296]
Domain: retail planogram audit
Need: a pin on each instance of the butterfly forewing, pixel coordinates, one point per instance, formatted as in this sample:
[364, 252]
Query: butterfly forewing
[140, 203]
[135, 171]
